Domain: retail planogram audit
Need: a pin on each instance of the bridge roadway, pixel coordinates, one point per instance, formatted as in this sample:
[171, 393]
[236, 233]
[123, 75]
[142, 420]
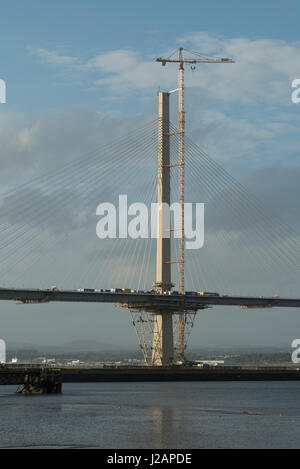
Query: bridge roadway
[144, 300]
[15, 375]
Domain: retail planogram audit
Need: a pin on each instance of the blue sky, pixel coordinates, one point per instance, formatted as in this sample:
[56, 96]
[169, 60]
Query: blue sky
[81, 72]
[100, 55]
[85, 29]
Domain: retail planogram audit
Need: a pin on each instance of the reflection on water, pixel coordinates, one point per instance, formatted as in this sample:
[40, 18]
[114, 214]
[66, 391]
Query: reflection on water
[168, 427]
[154, 415]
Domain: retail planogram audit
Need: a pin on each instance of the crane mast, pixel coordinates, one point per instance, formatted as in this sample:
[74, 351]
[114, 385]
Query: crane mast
[181, 128]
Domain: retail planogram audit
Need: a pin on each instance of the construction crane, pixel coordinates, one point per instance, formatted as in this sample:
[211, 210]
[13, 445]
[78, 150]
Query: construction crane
[181, 60]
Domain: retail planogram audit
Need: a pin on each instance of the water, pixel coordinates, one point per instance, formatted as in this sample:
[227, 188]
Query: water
[154, 415]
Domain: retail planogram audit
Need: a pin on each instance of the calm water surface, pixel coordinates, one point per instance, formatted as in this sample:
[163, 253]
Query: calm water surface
[154, 415]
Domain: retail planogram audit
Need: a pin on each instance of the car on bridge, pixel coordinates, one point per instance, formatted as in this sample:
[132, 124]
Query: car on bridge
[208, 293]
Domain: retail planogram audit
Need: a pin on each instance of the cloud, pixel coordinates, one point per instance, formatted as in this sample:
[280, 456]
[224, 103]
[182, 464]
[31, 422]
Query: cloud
[234, 111]
[38, 143]
[64, 205]
[227, 137]
[48, 57]
[241, 114]
[56, 167]
[263, 70]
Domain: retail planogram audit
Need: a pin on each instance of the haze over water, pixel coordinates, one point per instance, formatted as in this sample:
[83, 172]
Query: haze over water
[154, 415]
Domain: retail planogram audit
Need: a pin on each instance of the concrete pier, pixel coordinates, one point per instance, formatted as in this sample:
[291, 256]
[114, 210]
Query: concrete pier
[162, 348]
[36, 380]
[44, 381]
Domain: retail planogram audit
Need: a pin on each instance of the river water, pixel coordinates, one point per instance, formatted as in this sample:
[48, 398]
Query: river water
[154, 415]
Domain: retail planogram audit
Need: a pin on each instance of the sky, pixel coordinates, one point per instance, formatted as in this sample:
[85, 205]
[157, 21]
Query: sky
[82, 74]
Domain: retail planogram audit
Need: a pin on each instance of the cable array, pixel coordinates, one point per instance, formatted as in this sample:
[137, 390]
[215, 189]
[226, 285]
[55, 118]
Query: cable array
[48, 224]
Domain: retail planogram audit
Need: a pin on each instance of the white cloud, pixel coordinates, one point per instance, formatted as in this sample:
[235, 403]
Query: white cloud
[46, 141]
[226, 137]
[52, 58]
[263, 70]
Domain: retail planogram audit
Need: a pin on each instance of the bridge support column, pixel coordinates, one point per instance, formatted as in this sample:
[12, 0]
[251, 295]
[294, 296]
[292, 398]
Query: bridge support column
[42, 382]
[162, 347]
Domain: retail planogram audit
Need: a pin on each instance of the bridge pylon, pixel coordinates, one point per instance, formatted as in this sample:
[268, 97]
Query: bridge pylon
[163, 331]
[154, 326]
[162, 345]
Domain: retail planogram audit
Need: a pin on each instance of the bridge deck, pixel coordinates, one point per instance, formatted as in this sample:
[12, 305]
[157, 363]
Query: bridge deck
[144, 299]
[16, 375]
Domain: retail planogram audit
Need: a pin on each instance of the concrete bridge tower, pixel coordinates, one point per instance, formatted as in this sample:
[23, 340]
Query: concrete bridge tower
[162, 347]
